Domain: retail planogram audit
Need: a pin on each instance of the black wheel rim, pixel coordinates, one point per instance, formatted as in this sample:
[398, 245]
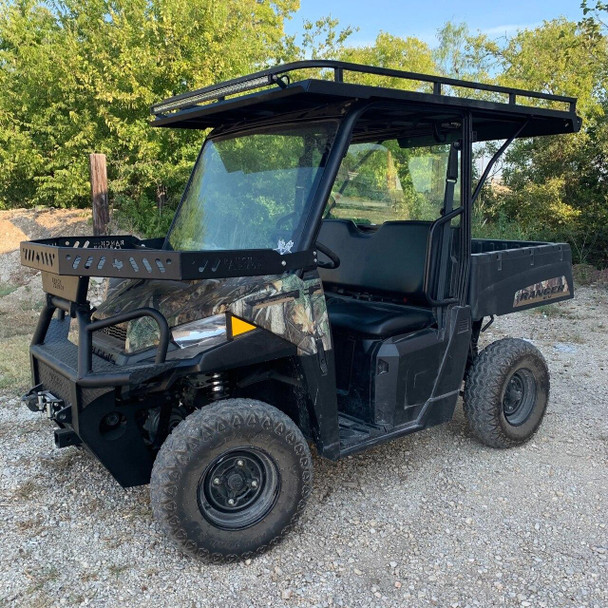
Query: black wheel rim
[519, 397]
[238, 489]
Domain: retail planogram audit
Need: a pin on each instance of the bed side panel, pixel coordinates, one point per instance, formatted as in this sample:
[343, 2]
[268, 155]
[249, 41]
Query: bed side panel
[511, 280]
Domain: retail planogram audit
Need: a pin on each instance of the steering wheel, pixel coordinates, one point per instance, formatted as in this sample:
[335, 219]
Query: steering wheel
[334, 260]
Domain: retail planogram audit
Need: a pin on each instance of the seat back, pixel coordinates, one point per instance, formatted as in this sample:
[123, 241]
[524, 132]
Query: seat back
[388, 261]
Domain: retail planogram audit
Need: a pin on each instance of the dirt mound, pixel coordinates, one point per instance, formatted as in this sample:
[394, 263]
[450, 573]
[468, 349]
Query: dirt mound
[24, 224]
[10, 236]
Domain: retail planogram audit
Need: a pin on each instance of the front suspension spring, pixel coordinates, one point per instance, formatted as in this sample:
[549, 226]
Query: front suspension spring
[217, 386]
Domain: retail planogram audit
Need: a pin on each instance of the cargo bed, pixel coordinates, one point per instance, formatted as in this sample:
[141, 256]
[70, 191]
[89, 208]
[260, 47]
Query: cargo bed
[509, 276]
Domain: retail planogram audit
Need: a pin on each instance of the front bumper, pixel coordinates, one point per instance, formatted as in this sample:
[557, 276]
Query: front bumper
[81, 392]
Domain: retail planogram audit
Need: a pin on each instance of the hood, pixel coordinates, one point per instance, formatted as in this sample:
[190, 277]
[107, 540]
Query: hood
[284, 305]
[180, 301]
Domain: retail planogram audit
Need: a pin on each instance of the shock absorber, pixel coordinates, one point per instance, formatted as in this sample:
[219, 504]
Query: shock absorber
[206, 388]
[217, 385]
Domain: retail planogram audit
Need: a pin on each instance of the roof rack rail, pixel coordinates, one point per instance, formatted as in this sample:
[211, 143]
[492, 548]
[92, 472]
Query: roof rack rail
[279, 75]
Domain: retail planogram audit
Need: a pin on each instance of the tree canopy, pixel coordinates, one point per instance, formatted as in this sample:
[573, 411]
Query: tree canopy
[555, 187]
[79, 76]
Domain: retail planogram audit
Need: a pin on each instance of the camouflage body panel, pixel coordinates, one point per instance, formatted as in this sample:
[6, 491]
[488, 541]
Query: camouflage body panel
[285, 305]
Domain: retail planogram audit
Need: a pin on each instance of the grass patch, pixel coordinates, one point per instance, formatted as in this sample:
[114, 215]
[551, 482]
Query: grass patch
[576, 338]
[27, 489]
[5, 289]
[15, 363]
[117, 569]
[40, 579]
[85, 577]
[18, 323]
[63, 463]
[31, 527]
[585, 274]
[92, 505]
[19, 314]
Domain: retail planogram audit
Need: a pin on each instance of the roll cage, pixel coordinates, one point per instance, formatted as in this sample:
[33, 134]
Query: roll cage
[307, 91]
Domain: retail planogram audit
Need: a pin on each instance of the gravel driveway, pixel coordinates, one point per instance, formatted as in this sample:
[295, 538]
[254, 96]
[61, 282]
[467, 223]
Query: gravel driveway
[432, 519]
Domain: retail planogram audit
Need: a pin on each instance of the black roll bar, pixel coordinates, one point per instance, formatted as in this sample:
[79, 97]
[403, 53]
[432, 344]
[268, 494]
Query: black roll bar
[86, 327]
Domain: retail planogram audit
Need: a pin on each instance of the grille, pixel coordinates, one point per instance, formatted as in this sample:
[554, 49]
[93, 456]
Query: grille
[115, 331]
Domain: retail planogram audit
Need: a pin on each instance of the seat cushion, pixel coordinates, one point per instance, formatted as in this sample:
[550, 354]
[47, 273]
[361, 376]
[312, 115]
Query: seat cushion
[377, 319]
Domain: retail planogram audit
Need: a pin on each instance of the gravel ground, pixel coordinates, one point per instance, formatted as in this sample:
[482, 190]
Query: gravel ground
[432, 519]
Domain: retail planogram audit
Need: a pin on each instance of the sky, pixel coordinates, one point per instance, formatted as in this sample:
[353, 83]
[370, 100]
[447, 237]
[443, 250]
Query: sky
[423, 19]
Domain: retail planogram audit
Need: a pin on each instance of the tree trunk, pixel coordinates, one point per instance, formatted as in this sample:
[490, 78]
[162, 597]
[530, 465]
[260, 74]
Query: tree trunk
[99, 194]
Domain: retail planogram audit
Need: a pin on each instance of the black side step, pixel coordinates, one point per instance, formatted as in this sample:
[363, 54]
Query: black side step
[356, 435]
[354, 432]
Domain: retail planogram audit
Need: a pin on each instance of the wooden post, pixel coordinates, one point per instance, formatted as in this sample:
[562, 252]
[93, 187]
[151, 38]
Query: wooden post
[99, 194]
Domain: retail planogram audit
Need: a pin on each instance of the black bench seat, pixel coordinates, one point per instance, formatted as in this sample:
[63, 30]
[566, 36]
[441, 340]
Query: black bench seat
[377, 319]
[385, 263]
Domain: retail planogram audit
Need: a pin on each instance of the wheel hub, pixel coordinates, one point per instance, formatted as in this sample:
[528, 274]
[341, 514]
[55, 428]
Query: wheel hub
[235, 482]
[519, 397]
[238, 488]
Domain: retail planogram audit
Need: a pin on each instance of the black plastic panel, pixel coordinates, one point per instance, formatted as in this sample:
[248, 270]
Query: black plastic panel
[498, 275]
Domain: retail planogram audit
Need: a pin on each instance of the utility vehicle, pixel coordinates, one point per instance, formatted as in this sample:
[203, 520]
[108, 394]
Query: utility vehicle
[319, 284]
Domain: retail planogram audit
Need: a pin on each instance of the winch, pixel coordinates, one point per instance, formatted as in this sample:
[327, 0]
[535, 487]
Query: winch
[39, 400]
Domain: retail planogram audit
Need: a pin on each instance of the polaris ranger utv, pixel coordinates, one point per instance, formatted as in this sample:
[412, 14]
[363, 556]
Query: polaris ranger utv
[319, 284]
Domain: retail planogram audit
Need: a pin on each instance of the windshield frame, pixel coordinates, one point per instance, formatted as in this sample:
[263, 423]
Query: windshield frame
[311, 201]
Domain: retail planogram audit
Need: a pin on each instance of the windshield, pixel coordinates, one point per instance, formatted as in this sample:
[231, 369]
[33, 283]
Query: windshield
[252, 191]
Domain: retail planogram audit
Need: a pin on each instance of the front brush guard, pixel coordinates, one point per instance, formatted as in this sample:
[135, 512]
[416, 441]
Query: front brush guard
[82, 312]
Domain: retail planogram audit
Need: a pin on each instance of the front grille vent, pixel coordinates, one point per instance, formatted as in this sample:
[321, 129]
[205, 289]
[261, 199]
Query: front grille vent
[115, 331]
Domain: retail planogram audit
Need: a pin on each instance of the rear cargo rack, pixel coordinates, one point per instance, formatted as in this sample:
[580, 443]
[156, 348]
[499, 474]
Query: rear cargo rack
[127, 257]
[281, 76]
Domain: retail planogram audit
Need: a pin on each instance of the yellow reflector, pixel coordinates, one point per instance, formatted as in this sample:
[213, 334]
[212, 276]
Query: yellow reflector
[240, 327]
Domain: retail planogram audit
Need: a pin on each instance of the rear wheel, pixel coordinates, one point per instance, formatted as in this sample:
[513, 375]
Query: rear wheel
[506, 393]
[231, 479]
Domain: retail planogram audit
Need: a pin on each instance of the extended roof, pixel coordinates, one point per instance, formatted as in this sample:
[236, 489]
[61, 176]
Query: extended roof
[496, 110]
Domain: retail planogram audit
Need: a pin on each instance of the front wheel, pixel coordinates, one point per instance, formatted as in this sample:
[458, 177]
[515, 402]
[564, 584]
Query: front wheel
[506, 393]
[231, 479]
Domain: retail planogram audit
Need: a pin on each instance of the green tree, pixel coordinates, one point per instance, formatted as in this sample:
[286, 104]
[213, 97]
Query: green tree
[80, 76]
[555, 186]
[461, 54]
[394, 52]
[565, 176]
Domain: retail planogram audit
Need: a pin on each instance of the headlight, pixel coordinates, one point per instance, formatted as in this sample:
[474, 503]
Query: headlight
[203, 332]
[142, 333]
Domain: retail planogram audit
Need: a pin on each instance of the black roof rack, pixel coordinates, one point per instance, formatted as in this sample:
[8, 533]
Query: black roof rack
[287, 92]
[280, 76]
